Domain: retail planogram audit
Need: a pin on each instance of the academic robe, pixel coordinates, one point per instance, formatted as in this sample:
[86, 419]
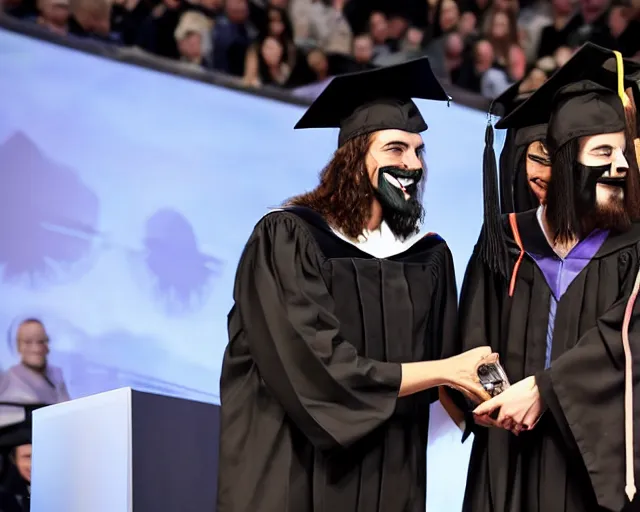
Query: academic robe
[563, 324]
[311, 419]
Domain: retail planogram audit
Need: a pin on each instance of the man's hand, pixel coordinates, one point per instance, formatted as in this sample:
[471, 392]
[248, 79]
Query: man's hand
[519, 407]
[462, 373]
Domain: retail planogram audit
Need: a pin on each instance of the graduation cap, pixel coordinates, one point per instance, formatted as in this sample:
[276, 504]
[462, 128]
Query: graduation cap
[17, 434]
[579, 96]
[584, 97]
[372, 100]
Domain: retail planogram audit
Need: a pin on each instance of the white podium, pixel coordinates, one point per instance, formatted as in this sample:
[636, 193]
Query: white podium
[125, 451]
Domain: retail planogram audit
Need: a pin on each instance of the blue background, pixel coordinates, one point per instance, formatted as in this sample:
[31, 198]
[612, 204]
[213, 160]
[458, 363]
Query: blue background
[127, 197]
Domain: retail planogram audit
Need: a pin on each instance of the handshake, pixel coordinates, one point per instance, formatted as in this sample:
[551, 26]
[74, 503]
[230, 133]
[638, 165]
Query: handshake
[479, 376]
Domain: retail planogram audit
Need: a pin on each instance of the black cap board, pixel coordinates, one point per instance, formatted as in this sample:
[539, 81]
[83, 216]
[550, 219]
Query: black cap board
[583, 108]
[591, 62]
[378, 99]
[504, 104]
[17, 434]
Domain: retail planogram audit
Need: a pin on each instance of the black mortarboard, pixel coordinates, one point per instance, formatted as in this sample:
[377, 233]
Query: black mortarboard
[17, 434]
[582, 98]
[378, 99]
[583, 108]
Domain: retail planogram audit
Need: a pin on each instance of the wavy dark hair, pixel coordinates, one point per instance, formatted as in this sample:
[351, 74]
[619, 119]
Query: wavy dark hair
[567, 218]
[345, 194]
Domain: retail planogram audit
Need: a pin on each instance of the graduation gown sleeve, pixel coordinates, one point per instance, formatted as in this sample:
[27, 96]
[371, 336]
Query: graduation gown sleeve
[584, 390]
[332, 394]
[444, 316]
[479, 323]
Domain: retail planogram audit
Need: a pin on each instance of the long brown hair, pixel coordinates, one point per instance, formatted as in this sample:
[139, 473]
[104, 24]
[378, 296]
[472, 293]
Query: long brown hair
[345, 194]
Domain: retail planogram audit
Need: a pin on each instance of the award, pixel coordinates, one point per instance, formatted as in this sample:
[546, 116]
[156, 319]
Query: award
[492, 376]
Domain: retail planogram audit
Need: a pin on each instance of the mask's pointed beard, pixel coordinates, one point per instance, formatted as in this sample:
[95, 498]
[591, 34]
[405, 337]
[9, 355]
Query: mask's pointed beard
[402, 214]
[612, 216]
[404, 224]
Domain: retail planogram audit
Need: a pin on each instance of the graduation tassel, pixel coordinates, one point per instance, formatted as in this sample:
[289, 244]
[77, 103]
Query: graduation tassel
[630, 484]
[493, 248]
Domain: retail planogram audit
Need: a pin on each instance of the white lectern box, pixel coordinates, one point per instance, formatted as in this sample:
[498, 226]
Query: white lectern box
[125, 451]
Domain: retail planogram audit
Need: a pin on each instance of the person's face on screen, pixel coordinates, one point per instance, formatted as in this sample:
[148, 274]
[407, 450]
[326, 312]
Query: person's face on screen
[22, 459]
[538, 169]
[33, 344]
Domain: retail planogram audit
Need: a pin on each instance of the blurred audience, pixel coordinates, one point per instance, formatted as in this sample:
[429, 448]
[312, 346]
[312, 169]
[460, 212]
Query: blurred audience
[192, 39]
[54, 15]
[322, 25]
[92, 19]
[481, 45]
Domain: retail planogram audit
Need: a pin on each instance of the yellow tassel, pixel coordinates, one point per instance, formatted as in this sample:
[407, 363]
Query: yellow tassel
[620, 72]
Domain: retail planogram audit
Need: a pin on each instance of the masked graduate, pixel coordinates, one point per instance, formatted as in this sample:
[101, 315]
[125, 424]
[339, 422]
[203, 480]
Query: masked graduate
[559, 309]
[524, 165]
[341, 310]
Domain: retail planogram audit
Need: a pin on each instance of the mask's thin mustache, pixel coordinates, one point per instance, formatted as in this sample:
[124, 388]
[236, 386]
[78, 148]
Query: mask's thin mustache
[401, 185]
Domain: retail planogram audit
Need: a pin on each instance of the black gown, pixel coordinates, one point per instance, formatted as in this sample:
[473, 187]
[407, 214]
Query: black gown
[573, 460]
[310, 416]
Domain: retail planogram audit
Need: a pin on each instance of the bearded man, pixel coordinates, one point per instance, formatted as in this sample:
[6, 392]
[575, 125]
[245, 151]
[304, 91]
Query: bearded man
[341, 310]
[562, 315]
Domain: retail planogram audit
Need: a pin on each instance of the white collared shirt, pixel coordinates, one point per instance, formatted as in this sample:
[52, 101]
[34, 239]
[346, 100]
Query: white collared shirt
[381, 242]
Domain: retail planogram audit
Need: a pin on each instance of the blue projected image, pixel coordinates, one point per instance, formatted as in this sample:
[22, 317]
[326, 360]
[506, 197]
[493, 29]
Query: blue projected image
[127, 196]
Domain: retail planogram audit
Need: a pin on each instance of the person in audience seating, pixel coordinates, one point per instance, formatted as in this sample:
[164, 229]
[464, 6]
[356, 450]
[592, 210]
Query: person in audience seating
[54, 15]
[33, 380]
[91, 19]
